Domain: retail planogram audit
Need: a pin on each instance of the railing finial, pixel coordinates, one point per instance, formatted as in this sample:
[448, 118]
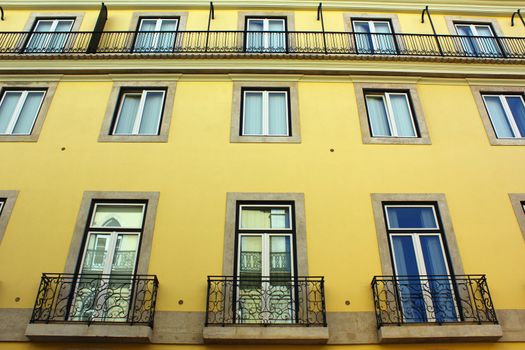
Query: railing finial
[2, 10]
[512, 19]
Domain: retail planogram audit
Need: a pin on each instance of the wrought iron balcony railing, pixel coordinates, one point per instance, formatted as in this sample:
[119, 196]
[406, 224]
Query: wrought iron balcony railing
[245, 42]
[432, 299]
[89, 298]
[255, 300]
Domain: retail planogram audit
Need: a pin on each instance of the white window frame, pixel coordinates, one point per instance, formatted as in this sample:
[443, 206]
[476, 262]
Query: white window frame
[372, 26]
[474, 29]
[140, 111]
[18, 109]
[477, 37]
[508, 113]
[266, 29]
[390, 113]
[54, 24]
[157, 30]
[411, 206]
[273, 206]
[266, 112]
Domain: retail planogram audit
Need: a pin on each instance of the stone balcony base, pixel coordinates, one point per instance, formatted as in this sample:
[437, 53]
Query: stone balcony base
[265, 335]
[94, 333]
[444, 333]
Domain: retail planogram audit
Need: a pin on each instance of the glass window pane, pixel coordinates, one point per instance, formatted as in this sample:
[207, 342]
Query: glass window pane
[151, 114]
[277, 114]
[401, 110]
[125, 254]
[265, 217]
[363, 39]
[378, 116]
[7, 108]
[255, 25]
[118, 215]
[518, 112]
[96, 253]
[252, 123]
[128, 114]
[280, 256]
[497, 116]
[28, 114]
[411, 217]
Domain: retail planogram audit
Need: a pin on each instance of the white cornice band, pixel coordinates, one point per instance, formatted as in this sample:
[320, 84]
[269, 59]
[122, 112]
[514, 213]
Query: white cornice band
[494, 7]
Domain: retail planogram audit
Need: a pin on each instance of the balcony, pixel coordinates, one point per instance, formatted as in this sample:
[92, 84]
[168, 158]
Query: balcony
[258, 44]
[79, 307]
[258, 309]
[440, 308]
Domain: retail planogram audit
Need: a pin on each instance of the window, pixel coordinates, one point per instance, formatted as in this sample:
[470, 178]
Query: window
[265, 263]
[156, 35]
[265, 34]
[478, 39]
[420, 260]
[7, 202]
[374, 37]
[49, 35]
[265, 113]
[139, 112]
[19, 110]
[518, 203]
[507, 114]
[390, 114]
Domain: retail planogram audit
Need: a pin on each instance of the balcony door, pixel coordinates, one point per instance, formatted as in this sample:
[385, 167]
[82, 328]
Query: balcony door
[422, 273]
[478, 40]
[104, 286]
[374, 37]
[265, 267]
[156, 35]
[49, 36]
[265, 35]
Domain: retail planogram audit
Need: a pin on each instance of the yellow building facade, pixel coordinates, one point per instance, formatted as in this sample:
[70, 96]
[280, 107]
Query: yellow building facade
[262, 173]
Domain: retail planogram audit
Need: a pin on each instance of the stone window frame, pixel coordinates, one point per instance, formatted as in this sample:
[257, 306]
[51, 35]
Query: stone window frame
[181, 26]
[449, 237]
[241, 23]
[113, 105]
[477, 92]
[89, 197]
[232, 198]
[392, 18]
[50, 89]
[452, 20]
[293, 99]
[7, 209]
[79, 17]
[518, 200]
[417, 113]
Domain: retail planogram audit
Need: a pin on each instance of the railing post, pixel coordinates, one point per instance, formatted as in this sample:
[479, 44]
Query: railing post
[207, 302]
[320, 17]
[433, 29]
[210, 17]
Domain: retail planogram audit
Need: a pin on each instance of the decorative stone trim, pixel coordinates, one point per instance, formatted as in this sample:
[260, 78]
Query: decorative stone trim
[7, 209]
[78, 16]
[290, 18]
[183, 18]
[417, 113]
[518, 200]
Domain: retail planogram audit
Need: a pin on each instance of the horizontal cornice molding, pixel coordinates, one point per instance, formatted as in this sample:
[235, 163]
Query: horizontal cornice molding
[446, 6]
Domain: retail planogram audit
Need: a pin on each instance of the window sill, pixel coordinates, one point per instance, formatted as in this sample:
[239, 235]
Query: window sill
[120, 333]
[437, 333]
[265, 335]
[397, 140]
[265, 139]
[507, 142]
[133, 138]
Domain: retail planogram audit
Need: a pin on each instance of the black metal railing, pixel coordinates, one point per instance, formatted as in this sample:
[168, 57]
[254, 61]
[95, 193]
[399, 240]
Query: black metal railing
[432, 299]
[90, 298]
[246, 42]
[275, 300]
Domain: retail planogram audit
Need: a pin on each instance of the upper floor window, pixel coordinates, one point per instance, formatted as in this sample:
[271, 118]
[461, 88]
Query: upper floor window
[265, 112]
[49, 35]
[507, 114]
[478, 39]
[156, 34]
[374, 36]
[390, 114]
[139, 112]
[2, 201]
[265, 34]
[19, 110]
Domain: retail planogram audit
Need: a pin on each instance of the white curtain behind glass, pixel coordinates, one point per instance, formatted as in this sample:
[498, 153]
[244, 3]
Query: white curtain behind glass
[402, 116]
[277, 114]
[378, 116]
[128, 113]
[253, 113]
[151, 113]
[498, 118]
[7, 109]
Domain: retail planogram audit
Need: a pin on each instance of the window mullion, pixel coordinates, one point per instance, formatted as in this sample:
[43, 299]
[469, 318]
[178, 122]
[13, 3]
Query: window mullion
[390, 115]
[266, 28]
[265, 113]
[158, 25]
[510, 116]
[373, 34]
[16, 112]
[140, 113]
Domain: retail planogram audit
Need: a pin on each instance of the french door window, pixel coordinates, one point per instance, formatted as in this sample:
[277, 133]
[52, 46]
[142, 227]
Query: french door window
[421, 268]
[18, 111]
[265, 113]
[139, 112]
[390, 114]
[156, 35]
[49, 36]
[478, 40]
[265, 35]
[507, 115]
[265, 264]
[374, 37]
[109, 257]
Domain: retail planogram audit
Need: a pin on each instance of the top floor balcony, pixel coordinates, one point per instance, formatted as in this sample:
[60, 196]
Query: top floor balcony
[281, 44]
